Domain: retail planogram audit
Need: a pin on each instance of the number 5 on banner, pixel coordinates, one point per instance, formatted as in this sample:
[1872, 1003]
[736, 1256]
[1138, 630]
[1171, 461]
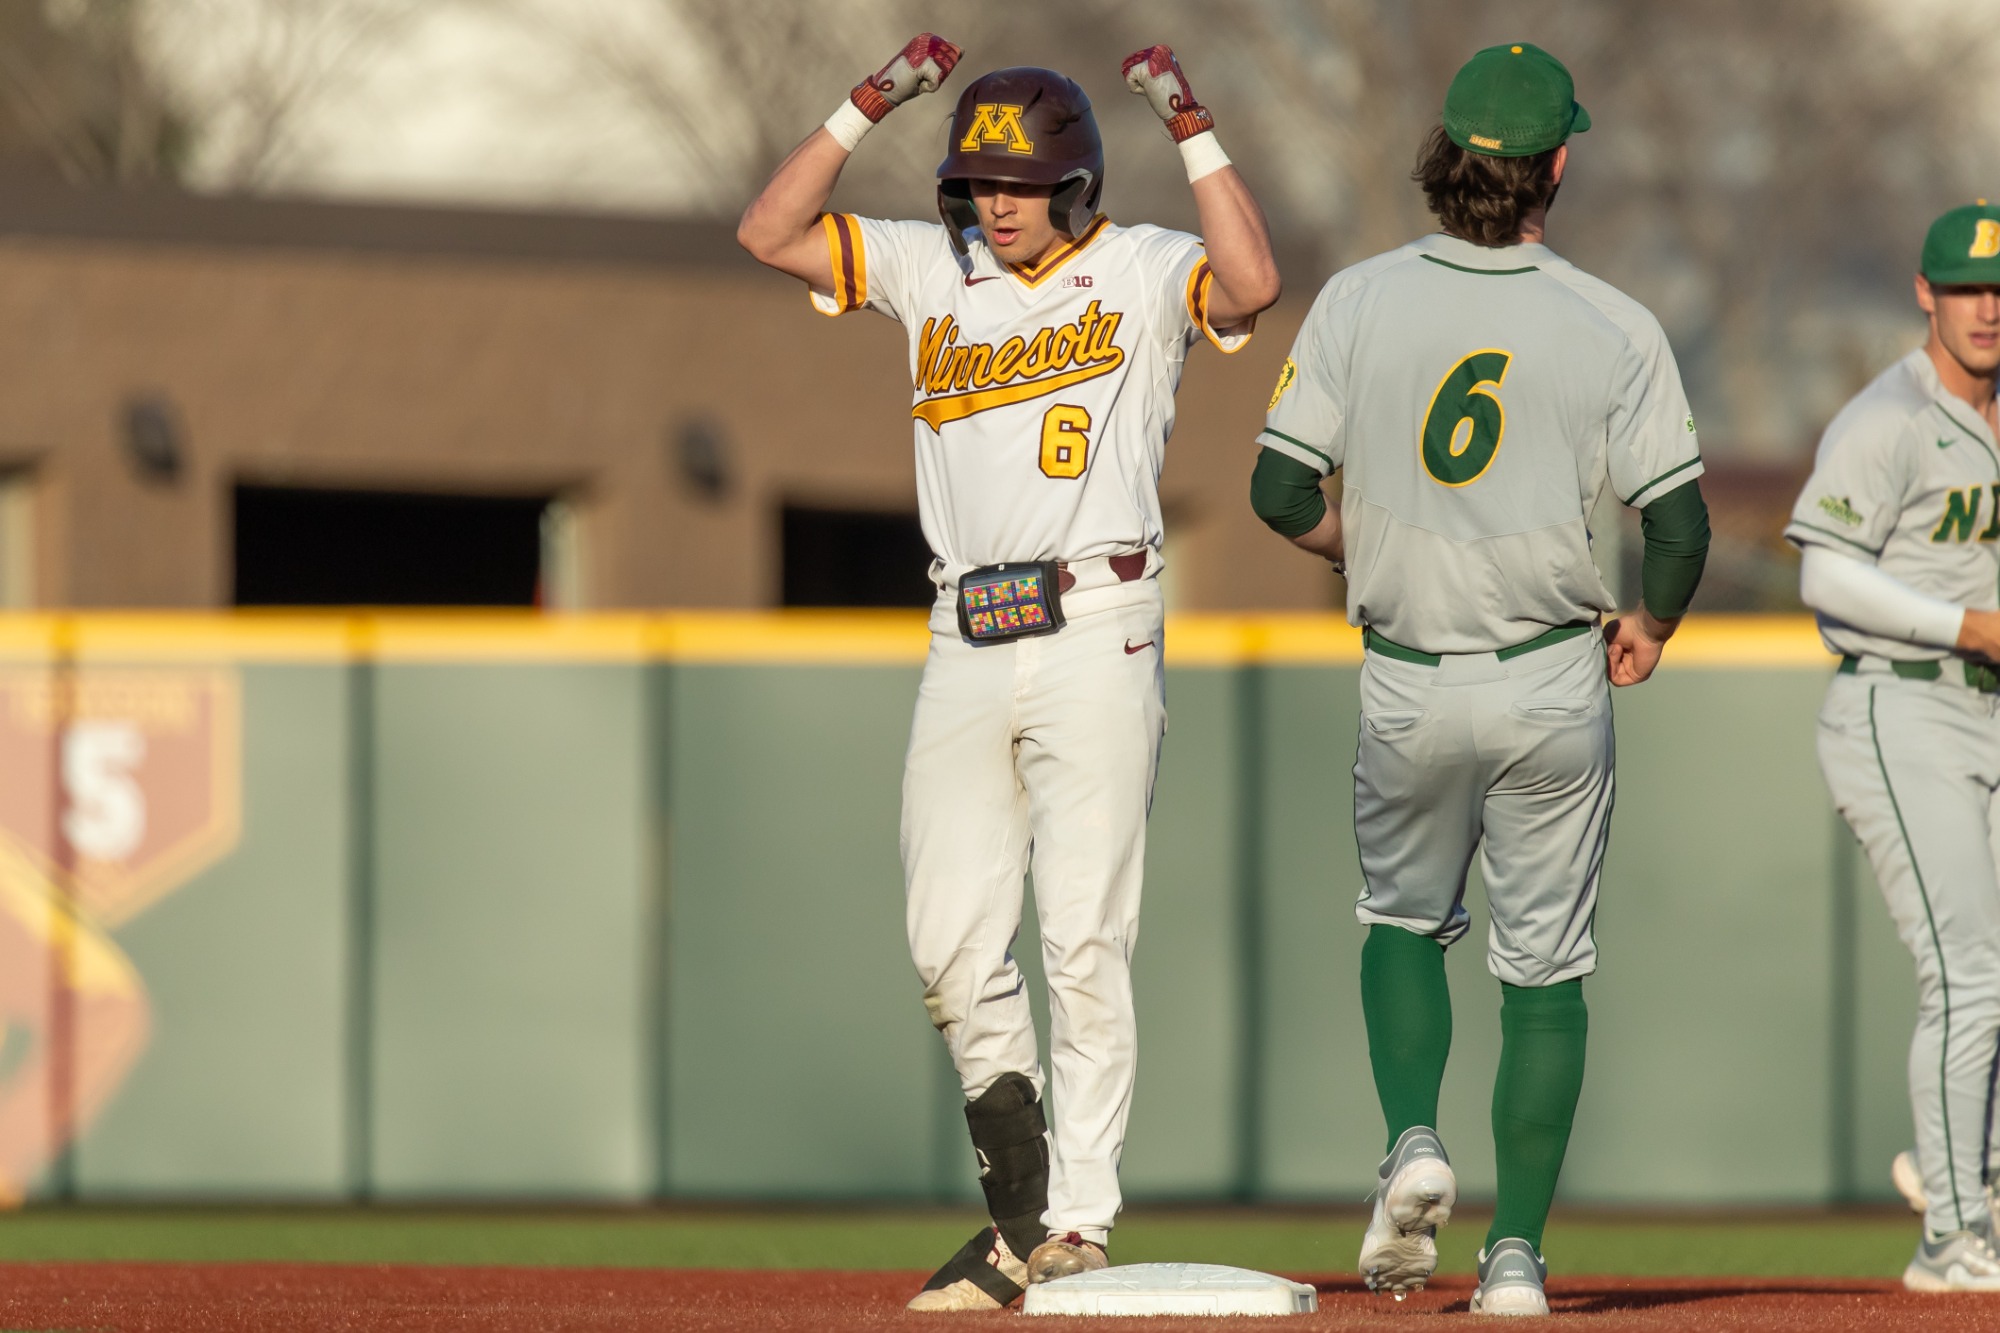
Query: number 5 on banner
[106, 815]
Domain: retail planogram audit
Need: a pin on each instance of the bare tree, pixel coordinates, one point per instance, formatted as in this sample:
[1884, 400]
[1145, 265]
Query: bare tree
[134, 91]
[733, 85]
[249, 73]
[1752, 192]
[1757, 173]
[77, 97]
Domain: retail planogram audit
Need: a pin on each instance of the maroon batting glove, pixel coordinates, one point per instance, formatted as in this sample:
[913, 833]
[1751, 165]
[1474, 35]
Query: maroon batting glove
[1156, 75]
[918, 68]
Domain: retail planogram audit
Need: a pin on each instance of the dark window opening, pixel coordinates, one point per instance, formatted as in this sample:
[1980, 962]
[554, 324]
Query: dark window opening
[850, 557]
[307, 547]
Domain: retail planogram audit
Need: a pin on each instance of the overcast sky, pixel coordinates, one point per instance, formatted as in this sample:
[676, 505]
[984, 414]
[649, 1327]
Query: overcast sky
[471, 104]
[466, 104]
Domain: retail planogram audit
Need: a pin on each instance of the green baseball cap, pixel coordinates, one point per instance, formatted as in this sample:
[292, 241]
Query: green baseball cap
[1512, 101]
[1964, 246]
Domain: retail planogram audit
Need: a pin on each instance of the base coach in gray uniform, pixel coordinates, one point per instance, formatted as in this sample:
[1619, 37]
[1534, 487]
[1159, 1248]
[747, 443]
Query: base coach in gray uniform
[1479, 394]
[1899, 526]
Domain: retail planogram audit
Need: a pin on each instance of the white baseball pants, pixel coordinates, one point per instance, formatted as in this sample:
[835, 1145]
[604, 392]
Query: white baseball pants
[1039, 753]
[1914, 767]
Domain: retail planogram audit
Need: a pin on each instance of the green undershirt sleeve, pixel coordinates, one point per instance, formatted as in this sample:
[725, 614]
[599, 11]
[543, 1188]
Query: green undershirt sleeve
[1286, 495]
[1676, 531]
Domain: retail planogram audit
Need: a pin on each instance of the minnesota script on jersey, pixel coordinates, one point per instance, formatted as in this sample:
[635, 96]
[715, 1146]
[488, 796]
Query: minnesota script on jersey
[1907, 478]
[1044, 394]
[1478, 401]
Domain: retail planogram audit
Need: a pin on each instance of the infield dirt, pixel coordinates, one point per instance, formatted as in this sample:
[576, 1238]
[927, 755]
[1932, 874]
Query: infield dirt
[259, 1298]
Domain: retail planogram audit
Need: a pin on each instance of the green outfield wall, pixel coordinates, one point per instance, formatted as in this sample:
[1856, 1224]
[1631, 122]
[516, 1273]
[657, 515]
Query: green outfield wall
[609, 908]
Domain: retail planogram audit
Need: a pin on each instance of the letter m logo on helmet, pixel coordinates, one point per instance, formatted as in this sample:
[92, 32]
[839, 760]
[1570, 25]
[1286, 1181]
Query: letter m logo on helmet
[1030, 126]
[994, 122]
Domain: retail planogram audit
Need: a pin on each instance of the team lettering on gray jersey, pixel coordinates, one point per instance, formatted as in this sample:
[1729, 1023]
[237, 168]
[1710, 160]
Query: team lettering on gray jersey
[1907, 478]
[1479, 400]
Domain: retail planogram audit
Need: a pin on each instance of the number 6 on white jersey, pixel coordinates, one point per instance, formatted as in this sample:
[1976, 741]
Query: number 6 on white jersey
[1464, 403]
[1065, 447]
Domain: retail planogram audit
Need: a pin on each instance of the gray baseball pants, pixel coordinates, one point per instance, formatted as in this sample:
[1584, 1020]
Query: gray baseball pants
[1510, 757]
[1914, 767]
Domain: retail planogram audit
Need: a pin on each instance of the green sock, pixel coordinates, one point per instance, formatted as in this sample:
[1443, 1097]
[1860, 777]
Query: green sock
[1407, 1006]
[1542, 1032]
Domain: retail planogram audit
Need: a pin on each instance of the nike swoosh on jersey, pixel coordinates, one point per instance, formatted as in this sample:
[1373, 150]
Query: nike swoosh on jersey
[1131, 648]
[1944, 444]
[971, 281]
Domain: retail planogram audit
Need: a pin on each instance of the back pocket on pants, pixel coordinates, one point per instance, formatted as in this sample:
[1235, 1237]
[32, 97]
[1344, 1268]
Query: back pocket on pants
[1393, 722]
[1555, 712]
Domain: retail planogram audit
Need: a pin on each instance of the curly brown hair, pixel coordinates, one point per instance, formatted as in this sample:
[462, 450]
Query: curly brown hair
[1480, 198]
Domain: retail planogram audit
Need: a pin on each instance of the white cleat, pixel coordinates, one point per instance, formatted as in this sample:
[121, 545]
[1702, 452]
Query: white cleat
[983, 1275]
[1414, 1197]
[1512, 1280]
[1955, 1261]
[1064, 1256]
[1909, 1181]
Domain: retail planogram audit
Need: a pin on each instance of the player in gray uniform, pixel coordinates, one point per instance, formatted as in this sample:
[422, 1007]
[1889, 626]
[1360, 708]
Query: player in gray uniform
[1899, 528]
[1479, 393]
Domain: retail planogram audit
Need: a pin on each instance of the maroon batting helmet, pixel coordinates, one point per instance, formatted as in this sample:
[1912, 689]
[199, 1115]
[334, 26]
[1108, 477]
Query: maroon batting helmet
[1026, 125]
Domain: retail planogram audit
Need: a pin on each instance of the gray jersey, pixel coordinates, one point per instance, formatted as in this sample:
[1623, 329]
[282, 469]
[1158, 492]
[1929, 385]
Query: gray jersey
[1478, 401]
[1907, 478]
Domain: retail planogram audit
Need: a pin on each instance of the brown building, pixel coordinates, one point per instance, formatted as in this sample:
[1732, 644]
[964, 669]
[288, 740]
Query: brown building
[210, 401]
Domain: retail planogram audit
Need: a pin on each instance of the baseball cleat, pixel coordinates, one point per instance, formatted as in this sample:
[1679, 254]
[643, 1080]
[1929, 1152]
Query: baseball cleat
[1060, 1256]
[1955, 1261]
[1909, 1181]
[1512, 1278]
[983, 1275]
[1413, 1199]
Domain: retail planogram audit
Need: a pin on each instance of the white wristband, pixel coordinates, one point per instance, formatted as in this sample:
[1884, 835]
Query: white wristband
[1202, 155]
[847, 125]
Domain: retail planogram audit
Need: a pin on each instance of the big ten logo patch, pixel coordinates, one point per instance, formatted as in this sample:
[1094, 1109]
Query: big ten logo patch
[1985, 239]
[1079, 280]
[996, 122]
[122, 783]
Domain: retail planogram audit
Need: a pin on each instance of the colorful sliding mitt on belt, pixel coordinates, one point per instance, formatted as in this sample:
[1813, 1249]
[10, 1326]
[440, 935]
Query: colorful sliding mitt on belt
[1000, 602]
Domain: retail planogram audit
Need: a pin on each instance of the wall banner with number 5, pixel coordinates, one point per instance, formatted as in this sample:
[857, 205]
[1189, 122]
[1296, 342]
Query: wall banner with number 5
[123, 783]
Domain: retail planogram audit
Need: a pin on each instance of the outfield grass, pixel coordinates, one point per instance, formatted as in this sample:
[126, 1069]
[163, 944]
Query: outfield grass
[1824, 1245]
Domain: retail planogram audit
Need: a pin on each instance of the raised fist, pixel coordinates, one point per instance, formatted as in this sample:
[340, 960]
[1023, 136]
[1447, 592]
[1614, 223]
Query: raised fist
[918, 68]
[1156, 75]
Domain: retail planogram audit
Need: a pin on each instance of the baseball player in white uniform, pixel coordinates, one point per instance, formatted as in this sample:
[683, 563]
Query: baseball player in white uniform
[1046, 343]
[1479, 394]
[1899, 529]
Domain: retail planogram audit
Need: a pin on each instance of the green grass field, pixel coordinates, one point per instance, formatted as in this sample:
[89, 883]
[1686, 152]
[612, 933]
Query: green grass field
[1861, 1244]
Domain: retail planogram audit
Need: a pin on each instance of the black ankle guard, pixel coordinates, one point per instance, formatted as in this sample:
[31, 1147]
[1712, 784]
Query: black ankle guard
[973, 1262]
[1011, 1137]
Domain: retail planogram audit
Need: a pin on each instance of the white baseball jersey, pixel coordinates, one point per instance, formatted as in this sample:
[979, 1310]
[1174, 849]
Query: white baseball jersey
[1907, 478]
[1043, 394]
[1479, 400]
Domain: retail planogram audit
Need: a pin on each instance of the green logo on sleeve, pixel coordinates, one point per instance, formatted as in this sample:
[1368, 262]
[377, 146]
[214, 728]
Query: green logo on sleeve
[1690, 423]
[1840, 511]
[1285, 378]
